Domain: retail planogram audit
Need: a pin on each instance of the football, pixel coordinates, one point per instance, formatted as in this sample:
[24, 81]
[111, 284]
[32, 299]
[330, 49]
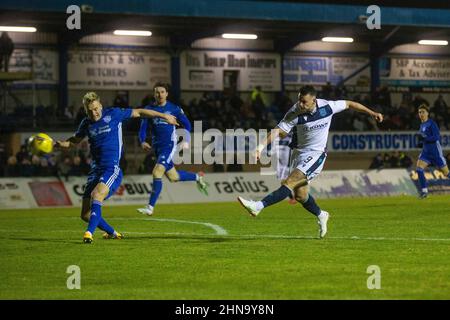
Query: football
[40, 144]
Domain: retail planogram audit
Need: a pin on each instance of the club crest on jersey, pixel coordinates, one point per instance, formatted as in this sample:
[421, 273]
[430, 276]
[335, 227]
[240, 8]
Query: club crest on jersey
[107, 119]
[322, 112]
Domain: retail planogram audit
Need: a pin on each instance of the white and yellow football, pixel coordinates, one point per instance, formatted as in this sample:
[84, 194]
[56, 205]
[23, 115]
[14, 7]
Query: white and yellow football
[40, 144]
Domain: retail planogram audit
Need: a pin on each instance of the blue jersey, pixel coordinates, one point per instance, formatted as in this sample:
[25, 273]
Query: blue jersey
[162, 132]
[432, 150]
[430, 134]
[105, 137]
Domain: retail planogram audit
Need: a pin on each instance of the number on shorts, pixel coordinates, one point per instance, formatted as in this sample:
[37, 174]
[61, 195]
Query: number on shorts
[308, 159]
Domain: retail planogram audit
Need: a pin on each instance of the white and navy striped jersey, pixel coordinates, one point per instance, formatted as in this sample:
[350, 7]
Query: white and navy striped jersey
[312, 129]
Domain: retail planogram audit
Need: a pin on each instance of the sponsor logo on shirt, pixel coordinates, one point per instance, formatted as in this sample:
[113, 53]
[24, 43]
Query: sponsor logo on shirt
[315, 127]
[96, 131]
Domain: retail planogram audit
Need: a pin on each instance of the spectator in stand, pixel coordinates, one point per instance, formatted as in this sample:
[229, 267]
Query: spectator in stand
[3, 158]
[441, 122]
[83, 150]
[120, 101]
[386, 159]
[396, 118]
[123, 162]
[247, 111]
[12, 168]
[371, 124]
[358, 124]
[394, 160]
[258, 101]
[236, 103]
[36, 166]
[77, 169]
[327, 92]
[377, 162]
[382, 98]
[341, 92]
[64, 167]
[69, 112]
[80, 115]
[46, 169]
[148, 163]
[440, 107]
[447, 157]
[418, 101]
[6, 50]
[284, 103]
[405, 160]
[22, 154]
[26, 168]
[271, 121]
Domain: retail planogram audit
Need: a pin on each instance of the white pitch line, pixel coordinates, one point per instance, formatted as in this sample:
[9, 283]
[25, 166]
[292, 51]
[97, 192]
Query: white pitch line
[218, 229]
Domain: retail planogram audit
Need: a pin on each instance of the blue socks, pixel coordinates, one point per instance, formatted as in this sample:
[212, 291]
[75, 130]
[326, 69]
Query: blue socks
[96, 216]
[311, 205]
[103, 225]
[187, 176]
[422, 180]
[157, 187]
[278, 195]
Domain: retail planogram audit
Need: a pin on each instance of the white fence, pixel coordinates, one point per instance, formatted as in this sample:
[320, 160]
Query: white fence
[17, 193]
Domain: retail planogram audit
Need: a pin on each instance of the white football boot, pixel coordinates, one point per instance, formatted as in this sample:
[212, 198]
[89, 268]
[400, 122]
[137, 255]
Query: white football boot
[148, 210]
[322, 221]
[250, 206]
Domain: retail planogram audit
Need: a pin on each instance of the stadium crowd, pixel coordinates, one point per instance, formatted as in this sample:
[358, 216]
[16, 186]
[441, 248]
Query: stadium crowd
[223, 110]
[217, 110]
[63, 165]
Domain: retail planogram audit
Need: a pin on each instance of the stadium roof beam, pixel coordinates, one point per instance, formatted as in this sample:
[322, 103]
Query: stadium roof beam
[184, 41]
[283, 45]
[229, 9]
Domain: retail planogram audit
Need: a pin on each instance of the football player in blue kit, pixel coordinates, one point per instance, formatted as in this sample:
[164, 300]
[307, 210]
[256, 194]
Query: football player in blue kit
[164, 143]
[103, 127]
[432, 150]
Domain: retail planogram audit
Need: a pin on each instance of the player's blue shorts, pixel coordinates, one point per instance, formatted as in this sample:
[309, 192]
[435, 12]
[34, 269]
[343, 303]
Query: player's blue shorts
[433, 156]
[165, 155]
[112, 177]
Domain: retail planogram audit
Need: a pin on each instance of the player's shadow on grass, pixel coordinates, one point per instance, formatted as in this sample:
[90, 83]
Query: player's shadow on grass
[68, 241]
[218, 238]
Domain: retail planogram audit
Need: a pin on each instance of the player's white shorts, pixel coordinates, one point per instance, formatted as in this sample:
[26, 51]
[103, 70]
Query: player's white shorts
[310, 163]
[284, 154]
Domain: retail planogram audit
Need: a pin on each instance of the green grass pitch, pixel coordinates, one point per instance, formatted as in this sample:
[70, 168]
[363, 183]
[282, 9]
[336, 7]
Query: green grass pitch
[273, 256]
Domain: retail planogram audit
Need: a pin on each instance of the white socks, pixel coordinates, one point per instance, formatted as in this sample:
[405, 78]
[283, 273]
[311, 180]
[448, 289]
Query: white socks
[259, 205]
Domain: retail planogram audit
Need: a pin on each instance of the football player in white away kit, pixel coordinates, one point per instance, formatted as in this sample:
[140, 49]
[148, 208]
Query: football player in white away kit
[283, 151]
[283, 155]
[312, 119]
